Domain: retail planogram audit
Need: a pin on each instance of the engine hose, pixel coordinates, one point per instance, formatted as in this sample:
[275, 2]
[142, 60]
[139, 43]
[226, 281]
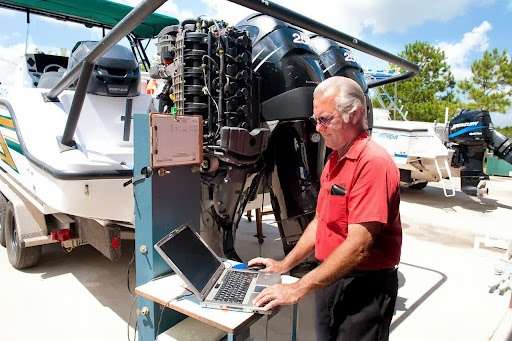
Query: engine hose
[208, 84]
[221, 86]
[501, 146]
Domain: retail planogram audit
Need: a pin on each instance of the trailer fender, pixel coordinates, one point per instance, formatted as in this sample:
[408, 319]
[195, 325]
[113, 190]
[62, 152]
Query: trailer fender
[30, 221]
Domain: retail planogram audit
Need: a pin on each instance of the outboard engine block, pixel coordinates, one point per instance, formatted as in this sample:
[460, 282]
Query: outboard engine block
[294, 159]
[339, 61]
[253, 85]
[208, 72]
[207, 66]
[116, 73]
[470, 133]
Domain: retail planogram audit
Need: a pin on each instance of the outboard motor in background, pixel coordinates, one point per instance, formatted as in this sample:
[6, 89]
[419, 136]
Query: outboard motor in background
[289, 71]
[339, 61]
[471, 132]
[166, 68]
[116, 73]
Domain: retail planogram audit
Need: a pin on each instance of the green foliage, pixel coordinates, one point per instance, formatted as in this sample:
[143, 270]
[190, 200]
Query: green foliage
[142, 68]
[507, 131]
[426, 95]
[490, 86]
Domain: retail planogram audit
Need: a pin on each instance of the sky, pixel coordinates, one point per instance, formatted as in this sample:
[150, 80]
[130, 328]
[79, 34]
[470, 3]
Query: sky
[462, 28]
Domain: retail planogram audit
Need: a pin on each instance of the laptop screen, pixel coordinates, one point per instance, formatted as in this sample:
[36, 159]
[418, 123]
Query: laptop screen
[192, 257]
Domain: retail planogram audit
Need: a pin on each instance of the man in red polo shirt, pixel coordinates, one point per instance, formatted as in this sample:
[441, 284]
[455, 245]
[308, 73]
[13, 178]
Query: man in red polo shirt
[356, 233]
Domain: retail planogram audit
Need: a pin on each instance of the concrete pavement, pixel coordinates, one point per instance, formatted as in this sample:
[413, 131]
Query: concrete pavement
[442, 296]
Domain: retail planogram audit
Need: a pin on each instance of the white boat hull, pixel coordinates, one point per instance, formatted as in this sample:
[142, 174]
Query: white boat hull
[86, 181]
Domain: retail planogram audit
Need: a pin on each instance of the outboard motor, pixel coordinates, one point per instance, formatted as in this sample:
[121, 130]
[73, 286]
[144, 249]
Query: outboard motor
[289, 71]
[253, 85]
[471, 132]
[339, 61]
[116, 73]
[207, 70]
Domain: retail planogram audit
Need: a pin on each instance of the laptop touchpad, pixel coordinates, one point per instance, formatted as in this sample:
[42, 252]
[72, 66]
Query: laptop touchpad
[259, 288]
[268, 278]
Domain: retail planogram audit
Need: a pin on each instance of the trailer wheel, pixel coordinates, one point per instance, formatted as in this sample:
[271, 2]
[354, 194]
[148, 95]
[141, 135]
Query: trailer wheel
[3, 204]
[19, 257]
[419, 185]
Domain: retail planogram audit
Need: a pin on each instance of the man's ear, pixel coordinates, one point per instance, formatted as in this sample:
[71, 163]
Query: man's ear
[357, 115]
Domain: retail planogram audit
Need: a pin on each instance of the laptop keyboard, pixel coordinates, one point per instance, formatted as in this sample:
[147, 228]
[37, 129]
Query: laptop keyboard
[234, 287]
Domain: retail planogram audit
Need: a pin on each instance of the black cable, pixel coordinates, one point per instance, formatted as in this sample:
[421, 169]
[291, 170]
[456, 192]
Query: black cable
[129, 319]
[211, 59]
[179, 298]
[208, 90]
[160, 319]
[232, 58]
[128, 274]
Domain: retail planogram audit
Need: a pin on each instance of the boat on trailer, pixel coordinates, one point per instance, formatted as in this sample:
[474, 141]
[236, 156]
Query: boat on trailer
[433, 152]
[67, 181]
[71, 192]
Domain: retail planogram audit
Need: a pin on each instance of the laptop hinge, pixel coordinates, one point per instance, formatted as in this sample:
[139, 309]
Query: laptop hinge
[213, 280]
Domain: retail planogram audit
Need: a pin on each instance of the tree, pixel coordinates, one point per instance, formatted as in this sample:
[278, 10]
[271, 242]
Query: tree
[426, 95]
[507, 131]
[490, 86]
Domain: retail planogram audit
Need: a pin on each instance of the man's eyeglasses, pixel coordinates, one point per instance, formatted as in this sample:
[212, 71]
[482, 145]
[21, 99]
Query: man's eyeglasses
[324, 121]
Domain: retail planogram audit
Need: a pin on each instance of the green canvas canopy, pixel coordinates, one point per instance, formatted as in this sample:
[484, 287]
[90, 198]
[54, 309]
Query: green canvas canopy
[101, 13]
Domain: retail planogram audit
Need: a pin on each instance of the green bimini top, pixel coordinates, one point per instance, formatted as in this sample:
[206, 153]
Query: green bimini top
[101, 13]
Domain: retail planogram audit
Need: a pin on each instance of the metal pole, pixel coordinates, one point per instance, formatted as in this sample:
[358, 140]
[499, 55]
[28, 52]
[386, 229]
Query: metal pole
[134, 48]
[28, 31]
[123, 28]
[138, 48]
[127, 119]
[144, 56]
[76, 105]
[294, 18]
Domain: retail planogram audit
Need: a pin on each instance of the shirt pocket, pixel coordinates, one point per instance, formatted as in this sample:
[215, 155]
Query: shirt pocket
[337, 210]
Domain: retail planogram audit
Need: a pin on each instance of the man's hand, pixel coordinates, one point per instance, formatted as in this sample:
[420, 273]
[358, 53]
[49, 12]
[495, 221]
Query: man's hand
[279, 294]
[271, 265]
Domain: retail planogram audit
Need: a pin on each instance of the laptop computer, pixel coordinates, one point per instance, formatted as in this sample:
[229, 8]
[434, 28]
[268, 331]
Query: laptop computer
[215, 284]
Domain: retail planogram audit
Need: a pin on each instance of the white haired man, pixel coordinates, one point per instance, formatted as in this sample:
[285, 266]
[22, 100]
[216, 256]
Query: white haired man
[356, 233]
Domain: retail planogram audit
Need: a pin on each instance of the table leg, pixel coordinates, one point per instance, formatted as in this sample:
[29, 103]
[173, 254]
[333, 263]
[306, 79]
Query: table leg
[240, 336]
[294, 322]
[259, 229]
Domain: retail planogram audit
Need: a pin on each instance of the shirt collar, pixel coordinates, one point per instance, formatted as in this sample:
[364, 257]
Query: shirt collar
[355, 149]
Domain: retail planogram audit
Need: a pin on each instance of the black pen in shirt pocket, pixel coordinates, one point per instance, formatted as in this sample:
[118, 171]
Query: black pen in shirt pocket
[337, 190]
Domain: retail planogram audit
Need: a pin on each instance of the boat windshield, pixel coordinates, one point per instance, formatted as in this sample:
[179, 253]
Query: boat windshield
[30, 48]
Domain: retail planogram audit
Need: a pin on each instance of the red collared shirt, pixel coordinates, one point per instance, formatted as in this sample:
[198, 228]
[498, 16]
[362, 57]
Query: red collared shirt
[372, 194]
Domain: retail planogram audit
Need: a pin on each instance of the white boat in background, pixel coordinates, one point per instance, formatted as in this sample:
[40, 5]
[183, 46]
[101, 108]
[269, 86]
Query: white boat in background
[418, 152]
[418, 148]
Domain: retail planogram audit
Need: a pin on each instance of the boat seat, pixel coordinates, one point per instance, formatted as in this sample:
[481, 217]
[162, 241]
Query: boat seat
[50, 78]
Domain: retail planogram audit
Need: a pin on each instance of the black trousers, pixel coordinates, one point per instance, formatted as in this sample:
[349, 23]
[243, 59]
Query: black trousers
[358, 307]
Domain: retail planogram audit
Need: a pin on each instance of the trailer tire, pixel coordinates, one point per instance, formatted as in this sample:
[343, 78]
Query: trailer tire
[20, 257]
[3, 204]
[419, 185]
